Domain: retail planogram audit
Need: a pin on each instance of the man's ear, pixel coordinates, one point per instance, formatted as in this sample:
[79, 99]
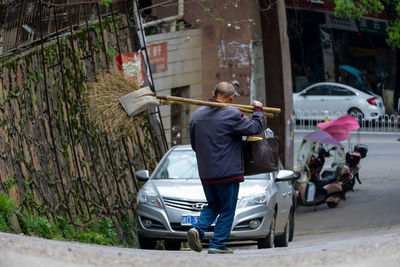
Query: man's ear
[213, 94]
[231, 98]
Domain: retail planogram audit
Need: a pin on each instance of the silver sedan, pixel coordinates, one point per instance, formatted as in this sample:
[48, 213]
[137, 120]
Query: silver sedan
[172, 199]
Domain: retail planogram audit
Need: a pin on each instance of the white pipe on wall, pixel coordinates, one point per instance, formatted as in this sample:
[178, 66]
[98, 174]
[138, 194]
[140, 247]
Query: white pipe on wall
[168, 19]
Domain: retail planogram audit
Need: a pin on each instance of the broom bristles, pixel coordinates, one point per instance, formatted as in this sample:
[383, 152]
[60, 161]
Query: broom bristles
[104, 108]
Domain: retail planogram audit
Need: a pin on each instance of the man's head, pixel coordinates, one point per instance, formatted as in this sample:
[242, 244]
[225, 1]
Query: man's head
[224, 92]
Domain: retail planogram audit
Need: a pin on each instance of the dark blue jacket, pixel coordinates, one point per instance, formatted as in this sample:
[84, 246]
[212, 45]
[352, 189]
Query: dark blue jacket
[216, 135]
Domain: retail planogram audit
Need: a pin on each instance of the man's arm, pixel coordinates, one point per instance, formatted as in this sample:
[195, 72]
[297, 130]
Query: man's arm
[244, 126]
[192, 135]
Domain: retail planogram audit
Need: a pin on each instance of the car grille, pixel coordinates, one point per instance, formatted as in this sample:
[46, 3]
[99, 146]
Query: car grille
[184, 205]
[185, 228]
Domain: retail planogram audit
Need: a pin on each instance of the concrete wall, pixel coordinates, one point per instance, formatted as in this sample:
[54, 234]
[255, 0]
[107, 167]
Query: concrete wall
[184, 68]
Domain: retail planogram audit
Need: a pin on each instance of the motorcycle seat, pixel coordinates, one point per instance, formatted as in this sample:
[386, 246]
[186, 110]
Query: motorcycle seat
[326, 180]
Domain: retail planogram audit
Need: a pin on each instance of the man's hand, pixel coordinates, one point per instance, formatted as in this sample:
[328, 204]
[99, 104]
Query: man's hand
[398, 117]
[257, 104]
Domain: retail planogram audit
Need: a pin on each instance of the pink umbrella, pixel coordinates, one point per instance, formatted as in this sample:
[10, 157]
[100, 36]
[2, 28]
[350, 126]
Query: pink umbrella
[339, 132]
[349, 122]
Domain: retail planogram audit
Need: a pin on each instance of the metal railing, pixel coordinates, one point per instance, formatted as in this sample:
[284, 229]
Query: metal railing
[307, 120]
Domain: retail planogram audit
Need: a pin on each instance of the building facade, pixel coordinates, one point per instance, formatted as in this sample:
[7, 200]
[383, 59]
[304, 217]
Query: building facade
[321, 43]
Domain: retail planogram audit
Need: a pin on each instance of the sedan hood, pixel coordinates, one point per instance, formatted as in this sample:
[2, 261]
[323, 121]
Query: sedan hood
[192, 190]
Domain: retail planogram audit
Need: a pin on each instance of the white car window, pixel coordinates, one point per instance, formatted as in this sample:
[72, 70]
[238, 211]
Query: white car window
[336, 90]
[319, 90]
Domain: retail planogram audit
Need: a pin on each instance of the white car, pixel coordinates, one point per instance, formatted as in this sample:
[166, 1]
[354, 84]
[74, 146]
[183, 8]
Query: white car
[333, 100]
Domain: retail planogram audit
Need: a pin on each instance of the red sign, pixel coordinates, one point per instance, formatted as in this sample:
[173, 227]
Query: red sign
[131, 65]
[158, 56]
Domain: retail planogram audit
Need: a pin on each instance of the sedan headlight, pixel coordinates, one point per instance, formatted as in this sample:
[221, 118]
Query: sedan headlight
[252, 200]
[149, 197]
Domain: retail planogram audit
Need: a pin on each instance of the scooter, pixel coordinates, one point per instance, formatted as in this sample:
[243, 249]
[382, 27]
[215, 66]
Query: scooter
[352, 162]
[311, 190]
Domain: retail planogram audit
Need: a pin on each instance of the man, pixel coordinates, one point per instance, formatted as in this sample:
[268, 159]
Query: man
[216, 135]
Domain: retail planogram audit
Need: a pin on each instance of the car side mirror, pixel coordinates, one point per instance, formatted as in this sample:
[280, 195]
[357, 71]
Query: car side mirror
[143, 175]
[284, 175]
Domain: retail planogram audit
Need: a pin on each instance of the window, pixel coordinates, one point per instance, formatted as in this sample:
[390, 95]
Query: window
[180, 116]
[336, 90]
[319, 90]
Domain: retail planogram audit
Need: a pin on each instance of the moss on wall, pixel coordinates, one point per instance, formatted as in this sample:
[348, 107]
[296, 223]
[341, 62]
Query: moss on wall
[53, 162]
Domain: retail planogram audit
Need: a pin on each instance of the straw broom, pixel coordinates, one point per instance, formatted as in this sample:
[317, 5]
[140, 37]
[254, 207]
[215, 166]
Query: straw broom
[104, 108]
[106, 111]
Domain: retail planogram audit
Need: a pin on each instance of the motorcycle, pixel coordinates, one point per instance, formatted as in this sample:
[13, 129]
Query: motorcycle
[340, 130]
[311, 186]
[352, 161]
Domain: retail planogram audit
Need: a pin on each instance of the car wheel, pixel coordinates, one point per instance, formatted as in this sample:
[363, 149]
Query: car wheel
[147, 243]
[331, 204]
[291, 224]
[268, 241]
[283, 240]
[356, 113]
[172, 244]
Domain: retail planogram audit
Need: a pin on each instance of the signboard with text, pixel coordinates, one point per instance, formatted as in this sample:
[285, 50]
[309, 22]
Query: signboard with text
[158, 56]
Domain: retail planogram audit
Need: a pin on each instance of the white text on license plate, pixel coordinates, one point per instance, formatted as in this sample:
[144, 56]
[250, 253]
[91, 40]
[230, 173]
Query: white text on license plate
[189, 219]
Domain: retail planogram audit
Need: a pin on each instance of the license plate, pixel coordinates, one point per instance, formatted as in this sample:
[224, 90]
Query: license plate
[188, 220]
[380, 105]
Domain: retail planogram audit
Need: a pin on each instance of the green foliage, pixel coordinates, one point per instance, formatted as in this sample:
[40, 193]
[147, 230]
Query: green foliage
[43, 228]
[93, 237]
[26, 222]
[63, 228]
[129, 228]
[394, 34]
[4, 225]
[10, 182]
[356, 9]
[7, 208]
[105, 2]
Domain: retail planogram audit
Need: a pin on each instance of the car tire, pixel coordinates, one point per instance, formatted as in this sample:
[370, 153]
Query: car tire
[292, 224]
[283, 239]
[147, 243]
[268, 241]
[331, 204]
[172, 244]
[356, 113]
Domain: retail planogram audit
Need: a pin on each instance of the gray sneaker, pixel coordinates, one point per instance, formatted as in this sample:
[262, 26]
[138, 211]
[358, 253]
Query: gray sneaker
[193, 236]
[223, 250]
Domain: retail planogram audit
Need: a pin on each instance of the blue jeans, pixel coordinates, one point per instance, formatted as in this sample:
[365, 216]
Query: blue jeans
[221, 199]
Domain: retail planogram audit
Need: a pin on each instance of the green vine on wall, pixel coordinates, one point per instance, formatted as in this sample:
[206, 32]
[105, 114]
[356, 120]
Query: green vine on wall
[32, 175]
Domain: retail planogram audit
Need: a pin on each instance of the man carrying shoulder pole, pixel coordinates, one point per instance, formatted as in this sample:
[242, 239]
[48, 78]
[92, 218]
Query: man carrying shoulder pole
[216, 135]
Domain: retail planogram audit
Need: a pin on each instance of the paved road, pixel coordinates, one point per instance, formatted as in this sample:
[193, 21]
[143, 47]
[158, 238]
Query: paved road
[375, 202]
[362, 231]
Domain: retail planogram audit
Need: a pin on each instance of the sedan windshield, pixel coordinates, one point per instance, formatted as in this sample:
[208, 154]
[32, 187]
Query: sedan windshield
[182, 164]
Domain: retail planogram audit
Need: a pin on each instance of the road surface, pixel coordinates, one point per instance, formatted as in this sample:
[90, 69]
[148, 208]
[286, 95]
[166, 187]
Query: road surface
[364, 230]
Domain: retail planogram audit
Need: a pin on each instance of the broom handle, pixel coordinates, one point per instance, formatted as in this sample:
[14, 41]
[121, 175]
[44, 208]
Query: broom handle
[213, 104]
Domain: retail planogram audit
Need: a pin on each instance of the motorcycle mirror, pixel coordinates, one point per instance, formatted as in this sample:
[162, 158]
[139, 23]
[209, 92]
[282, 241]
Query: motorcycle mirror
[284, 175]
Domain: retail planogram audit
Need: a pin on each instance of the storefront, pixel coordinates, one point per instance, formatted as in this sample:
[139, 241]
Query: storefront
[320, 44]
